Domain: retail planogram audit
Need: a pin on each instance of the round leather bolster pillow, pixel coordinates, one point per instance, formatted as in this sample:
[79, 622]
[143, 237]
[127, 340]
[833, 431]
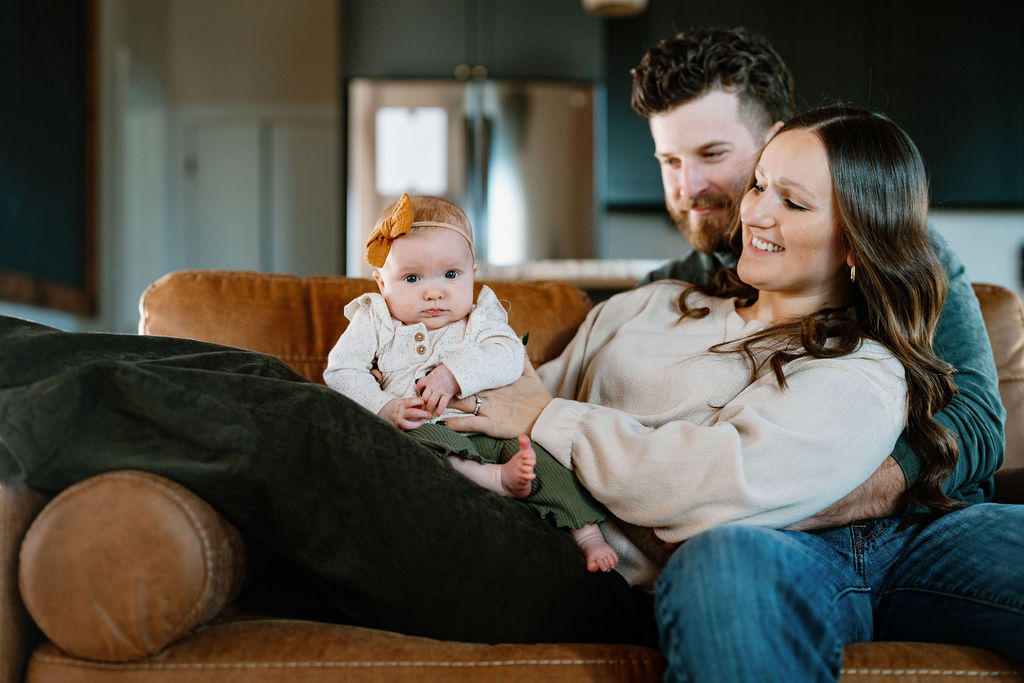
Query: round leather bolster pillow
[122, 564]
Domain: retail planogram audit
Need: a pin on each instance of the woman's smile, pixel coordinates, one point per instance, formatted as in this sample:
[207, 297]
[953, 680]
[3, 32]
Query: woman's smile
[764, 245]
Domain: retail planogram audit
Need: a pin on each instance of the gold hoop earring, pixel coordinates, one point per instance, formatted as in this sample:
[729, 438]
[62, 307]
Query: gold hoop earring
[853, 273]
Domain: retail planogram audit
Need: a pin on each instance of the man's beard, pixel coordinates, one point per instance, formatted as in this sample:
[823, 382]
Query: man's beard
[709, 233]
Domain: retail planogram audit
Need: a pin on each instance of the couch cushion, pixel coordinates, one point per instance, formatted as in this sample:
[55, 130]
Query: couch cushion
[277, 649]
[300, 319]
[272, 650]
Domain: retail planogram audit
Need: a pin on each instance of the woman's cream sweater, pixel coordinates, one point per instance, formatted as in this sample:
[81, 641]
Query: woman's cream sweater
[672, 438]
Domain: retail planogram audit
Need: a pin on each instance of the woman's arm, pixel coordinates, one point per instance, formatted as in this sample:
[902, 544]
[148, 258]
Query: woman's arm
[511, 410]
[773, 457]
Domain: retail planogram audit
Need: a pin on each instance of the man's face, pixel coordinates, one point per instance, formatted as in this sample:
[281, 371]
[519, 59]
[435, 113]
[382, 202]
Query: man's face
[706, 153]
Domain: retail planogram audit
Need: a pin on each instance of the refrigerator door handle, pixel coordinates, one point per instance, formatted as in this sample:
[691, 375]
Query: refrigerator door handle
[478, 129]
[484, 130]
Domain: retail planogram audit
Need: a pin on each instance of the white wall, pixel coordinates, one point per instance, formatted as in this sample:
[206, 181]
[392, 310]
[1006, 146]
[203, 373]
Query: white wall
[989, 242]
[259, 188]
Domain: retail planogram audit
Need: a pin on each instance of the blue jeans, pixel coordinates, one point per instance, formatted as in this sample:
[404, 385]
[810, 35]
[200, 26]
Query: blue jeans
[742, 603]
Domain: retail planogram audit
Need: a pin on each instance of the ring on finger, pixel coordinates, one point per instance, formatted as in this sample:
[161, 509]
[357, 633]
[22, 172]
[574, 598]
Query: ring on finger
[479, 402]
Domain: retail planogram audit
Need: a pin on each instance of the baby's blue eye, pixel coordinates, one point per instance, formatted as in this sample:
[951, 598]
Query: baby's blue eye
[412, 278]
[452, 274]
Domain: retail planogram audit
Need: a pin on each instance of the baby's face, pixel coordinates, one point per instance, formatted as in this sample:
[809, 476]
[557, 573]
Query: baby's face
[428, 278]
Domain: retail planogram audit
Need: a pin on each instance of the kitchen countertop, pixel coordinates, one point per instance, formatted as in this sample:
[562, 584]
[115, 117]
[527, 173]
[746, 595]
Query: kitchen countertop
[587, 274]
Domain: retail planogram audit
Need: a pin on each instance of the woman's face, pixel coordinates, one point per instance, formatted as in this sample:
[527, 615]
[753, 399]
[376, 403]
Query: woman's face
[792, 241]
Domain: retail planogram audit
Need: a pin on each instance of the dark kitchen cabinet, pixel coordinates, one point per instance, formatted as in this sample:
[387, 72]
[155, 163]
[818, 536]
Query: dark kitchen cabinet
[954, 78]
[952, 75]
[535, 39]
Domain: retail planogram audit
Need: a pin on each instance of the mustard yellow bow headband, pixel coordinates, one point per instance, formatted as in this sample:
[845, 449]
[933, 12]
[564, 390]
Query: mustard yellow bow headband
[398, 224]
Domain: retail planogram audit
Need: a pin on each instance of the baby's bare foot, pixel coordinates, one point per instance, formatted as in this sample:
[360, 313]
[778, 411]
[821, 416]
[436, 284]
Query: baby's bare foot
[599, 555]
[517, 474]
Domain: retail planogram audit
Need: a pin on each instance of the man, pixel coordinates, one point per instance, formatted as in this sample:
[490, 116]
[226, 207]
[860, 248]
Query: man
[708, 127]
[737, 602]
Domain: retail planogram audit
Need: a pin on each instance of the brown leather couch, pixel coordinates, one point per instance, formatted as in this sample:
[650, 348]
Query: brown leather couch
[133, 578]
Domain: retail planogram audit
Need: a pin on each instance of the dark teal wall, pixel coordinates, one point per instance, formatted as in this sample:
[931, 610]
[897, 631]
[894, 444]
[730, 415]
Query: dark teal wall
[45, 137]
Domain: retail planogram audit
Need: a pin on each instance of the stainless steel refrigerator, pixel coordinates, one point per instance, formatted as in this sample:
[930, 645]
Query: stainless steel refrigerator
[519, 157]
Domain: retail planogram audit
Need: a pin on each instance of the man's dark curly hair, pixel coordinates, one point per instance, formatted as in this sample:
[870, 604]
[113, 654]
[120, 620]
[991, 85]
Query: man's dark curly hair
[689, 64]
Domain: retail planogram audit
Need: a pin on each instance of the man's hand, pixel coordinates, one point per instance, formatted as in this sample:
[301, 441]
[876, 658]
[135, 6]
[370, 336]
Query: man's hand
[437, 388]
[404, 413]
[506, 412]
[884, 494]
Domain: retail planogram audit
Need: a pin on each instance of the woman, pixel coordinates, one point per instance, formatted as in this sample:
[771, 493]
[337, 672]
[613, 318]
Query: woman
[773, 391]
[818, 352]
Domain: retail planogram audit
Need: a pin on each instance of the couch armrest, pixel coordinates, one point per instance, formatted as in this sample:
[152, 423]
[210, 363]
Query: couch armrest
[18, 507]
[120, 565]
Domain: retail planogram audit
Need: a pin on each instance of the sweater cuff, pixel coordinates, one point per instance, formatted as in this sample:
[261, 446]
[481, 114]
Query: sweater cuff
[907, 459]
[556, 427]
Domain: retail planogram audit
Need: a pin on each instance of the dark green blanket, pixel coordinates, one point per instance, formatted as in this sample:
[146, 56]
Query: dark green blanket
[394, 538]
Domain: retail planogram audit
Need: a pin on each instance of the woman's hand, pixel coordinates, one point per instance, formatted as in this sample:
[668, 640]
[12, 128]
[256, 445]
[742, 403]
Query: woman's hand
[506, 412]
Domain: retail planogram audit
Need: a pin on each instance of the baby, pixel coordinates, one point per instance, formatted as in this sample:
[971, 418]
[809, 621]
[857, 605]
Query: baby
[430, 343]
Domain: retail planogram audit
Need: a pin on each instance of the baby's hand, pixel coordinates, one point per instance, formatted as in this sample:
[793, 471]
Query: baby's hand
[437, 388]
[404, 413]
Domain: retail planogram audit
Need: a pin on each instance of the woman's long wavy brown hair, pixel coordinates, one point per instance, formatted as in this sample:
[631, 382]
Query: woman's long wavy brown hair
[881, 194]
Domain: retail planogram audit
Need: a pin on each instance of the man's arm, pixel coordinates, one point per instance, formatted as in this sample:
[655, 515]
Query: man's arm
[975, 415]
[882, 495]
